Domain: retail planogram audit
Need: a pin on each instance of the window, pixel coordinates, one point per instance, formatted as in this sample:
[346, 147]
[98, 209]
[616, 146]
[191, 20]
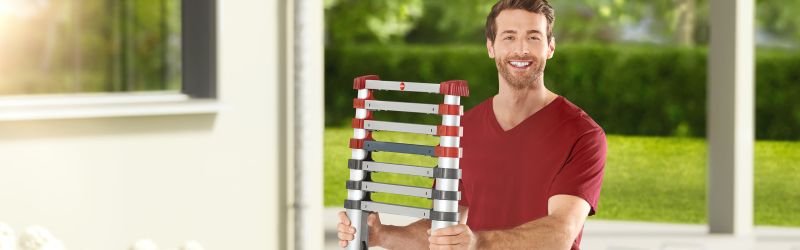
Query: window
[89, 46]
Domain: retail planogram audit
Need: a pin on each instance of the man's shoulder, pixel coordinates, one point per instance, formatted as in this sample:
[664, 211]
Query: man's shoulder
[576, 119]
[478, 110]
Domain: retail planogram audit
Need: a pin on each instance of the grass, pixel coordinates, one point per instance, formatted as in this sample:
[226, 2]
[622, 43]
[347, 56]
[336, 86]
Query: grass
[659, 179]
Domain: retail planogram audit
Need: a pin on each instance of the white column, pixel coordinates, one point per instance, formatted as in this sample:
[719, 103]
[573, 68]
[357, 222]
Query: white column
[730, 114]
[308, 126]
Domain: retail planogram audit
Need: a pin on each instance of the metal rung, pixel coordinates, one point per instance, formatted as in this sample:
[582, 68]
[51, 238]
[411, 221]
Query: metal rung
[403, 86]
[397, 169]
[402, 107]
[378, 207]
[400, 127]
[396, 189]
[400, 148]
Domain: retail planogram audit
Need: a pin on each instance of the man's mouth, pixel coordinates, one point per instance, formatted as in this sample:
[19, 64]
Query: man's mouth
[520, 64]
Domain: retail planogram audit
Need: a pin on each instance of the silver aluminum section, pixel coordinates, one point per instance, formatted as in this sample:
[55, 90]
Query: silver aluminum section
[396, 209]
[446, 162]
[402, 107]
[400, 127]
[362, 229]
[409, 86]
[396, 168]
[396, 189]
[358, 217]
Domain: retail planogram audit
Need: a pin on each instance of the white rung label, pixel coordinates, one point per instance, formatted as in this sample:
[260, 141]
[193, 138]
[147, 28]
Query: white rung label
[402, 107]
[403, 86]
[400, 127]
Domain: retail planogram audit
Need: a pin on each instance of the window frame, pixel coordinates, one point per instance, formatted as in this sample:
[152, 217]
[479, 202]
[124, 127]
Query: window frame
[198, 93]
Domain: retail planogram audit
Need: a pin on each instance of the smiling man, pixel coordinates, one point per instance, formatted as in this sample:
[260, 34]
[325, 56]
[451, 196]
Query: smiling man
[533, 162]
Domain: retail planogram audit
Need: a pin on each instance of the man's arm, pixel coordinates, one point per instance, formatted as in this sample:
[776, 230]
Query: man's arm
[412, 236]
[566, 215]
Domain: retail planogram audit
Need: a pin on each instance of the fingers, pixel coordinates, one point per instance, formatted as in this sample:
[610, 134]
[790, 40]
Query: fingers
[343, 218]
[346, 229]
[373, 219]
[346, 236]
[342, 243]
[451, 230]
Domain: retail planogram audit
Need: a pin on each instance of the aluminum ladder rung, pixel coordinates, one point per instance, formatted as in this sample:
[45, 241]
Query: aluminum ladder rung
[400, 127]
[400, 148]
[396, 189]
[397, 169]
[410, 107]
[396, 209]
[403, 86]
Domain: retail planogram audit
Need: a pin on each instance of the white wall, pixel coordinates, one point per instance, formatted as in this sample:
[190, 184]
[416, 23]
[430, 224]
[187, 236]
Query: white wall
[103, 183]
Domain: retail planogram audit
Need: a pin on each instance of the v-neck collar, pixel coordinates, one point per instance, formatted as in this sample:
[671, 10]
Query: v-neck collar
[499, 129]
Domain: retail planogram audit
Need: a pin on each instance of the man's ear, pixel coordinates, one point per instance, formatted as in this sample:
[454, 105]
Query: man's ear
[490, 48]
[551, 48]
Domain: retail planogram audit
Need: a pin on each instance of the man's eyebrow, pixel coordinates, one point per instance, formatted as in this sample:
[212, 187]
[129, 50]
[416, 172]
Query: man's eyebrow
[535, 31]
[509, 31]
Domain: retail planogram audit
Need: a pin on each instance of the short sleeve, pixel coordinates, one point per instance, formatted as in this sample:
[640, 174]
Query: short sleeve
[582, 175]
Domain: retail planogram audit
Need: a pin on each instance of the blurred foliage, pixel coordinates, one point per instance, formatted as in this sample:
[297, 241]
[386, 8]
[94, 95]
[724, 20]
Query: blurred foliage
[71, 46]
[643, 90]
[676, 22]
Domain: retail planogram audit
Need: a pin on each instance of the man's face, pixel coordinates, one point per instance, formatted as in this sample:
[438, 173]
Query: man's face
[521, 47]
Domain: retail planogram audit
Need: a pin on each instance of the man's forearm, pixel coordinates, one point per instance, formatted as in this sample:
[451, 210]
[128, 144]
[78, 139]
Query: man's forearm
[545, 233]
[413, 236]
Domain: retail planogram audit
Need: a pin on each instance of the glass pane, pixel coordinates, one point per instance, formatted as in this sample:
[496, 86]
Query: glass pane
[79, 46]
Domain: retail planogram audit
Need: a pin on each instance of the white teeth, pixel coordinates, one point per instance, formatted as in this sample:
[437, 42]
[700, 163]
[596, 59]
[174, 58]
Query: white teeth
[520, 64]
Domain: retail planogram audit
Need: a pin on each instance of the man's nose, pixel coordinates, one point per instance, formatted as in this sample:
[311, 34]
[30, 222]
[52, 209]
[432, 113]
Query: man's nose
[523, 48]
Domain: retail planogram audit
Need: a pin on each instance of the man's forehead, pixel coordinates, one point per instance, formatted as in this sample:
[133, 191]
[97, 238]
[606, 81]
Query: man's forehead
[520, 21]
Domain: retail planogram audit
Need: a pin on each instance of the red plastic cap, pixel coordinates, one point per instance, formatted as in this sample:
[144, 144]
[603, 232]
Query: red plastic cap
[450, 109]
[356, 143]
[361, 81]
[358, 103]
[454, 87]
[358, 123]
[450, 152]
[443, 130]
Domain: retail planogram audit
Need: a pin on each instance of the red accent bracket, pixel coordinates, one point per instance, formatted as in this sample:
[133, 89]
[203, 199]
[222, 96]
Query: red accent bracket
[361, 81]
[358, 103]
[454, 87]
[356, 143]
[450, 152]
[443, 130]
[450, 109]
[358, 123]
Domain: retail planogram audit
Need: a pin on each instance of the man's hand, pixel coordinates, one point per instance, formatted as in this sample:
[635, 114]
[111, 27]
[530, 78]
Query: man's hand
[454, 237]
[347, 232]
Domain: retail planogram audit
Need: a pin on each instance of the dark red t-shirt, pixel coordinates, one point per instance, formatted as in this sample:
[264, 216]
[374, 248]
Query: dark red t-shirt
[508, 176]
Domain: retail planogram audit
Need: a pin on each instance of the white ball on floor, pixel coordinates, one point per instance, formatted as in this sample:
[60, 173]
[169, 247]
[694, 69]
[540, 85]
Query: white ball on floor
[8, 240]
[191, 245]
[144, 244]
[39, 238]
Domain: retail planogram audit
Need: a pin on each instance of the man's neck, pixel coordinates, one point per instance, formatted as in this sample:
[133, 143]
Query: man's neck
[512, 106]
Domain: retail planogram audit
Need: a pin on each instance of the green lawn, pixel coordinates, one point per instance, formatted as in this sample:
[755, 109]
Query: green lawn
[647, 178]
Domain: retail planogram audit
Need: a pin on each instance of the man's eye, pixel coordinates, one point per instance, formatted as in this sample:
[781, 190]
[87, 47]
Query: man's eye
[508, 38]
[534, 38]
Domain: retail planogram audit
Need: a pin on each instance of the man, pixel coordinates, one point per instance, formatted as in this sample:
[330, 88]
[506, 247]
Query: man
[533, 162]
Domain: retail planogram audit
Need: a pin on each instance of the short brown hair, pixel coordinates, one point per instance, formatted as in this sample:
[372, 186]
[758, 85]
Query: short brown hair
[535, 6]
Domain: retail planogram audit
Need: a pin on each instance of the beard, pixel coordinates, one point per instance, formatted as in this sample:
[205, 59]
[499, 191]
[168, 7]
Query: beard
[520, 80]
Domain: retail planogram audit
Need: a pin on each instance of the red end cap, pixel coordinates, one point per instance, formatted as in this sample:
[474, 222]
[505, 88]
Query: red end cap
[358, 103]
[443, 130]
[454, 87]
[358, 123]
[356, 143]
[450, 152]
[361, 81]
[450, 109]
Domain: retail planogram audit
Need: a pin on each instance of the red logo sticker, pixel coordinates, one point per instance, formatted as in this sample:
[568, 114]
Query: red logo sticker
[402, 86]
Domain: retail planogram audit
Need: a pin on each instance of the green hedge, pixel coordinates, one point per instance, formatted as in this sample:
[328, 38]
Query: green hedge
[627, 89]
